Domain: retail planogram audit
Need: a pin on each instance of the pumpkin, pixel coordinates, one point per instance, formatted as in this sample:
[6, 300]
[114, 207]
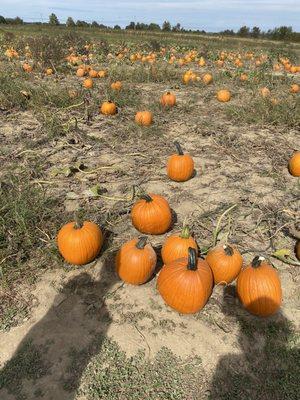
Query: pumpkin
[295, 88]
[116, 85]
[88, 83]
[294, 164]
[80, 72]
[180, 167]
[93, 73]
[136, 261]
[207, 79]
[265, 92]
[49, 71]
[168, 100]
[201, 62]
[243, 77]
[102, 74]
[223, 95]
[259, 288]
[186, 284]
[225, 262]
[177, 245]
[108, 108]
[27, 67]
[144, 118]
[79, 243]
[151, 214]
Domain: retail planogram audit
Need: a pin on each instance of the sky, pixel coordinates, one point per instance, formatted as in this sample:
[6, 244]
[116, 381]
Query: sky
[210, 15]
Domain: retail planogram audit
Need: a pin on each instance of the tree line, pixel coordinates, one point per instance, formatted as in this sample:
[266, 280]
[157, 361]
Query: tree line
[284, 33]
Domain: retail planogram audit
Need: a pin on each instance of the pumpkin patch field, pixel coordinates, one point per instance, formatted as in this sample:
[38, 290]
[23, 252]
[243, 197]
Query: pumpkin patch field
[149, 209]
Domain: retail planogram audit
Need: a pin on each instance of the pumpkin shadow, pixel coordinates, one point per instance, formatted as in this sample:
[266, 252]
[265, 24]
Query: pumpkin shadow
[49, 361]
[173, 220]
[267, 367]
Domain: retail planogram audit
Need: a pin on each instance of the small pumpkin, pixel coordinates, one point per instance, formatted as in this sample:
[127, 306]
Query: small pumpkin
[151, 214]
[88, 83]
[144, 118]
[180, 167]
[265, 92]
[177, 245]
[93, 73]
[225, 262]
[186, 284]
[259, 288]
[108, 108]
[79, 243]
[116, 85]
[295, 88]
[207, 79]
[223, 95]
[168, 100]
[243, 77]
[294, 164]
[49, 71]
[27, 67]
[102, 74]
[136, 261]
[80, 72]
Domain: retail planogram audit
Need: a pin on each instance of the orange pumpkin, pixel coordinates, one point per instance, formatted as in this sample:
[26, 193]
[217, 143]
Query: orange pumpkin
[177, 245]
[243, 77]
[136, 261]
[265, 92]
[259, 288]
[225, 262]
[168, 100]
[294, 164]
[207, 79]
[180, 167]
[102, 74]
[144, 118]
[295, 88]
[49, 71]
[186, 284]
[27, 67]
[93, 73]
[80, 72]
[116, 85]
[108, 108]
[88, 83]
[223, 95]
[151, 214]
[79, 243]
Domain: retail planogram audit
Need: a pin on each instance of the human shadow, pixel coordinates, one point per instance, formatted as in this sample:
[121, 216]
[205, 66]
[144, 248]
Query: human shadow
[49, 362]
[268, 367]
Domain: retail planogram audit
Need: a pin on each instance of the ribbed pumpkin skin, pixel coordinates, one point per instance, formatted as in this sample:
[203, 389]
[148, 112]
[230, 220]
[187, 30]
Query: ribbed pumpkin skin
[133, 265]
[180, 168]
[176, 247]
[82, 245]
[152, 217]
[259, 289]
[108, 108]
[294, 164]
[184, 290]
[168, 100]
[144, 118]
[225, 268]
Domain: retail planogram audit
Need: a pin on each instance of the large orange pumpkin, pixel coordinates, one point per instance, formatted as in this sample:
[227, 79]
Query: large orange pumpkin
[79, 243]
[186, 284]
[136, 261]
[259, 288]
[151, 214]
[144, 118]
[225, 262]
[180, 167]
[108, 108]
[177, 245]
[294, 164]
[168, 100]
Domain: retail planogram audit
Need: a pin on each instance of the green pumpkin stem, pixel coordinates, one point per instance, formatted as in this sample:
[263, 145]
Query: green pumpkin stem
[179, 148]
[146, 197]
[256, 262]
[192, 260]
[78, 222]
[141, 242]
[185, 233]
[228, 250]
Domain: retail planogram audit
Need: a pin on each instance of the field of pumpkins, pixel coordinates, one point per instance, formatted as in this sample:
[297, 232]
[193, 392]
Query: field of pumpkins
[168, 173]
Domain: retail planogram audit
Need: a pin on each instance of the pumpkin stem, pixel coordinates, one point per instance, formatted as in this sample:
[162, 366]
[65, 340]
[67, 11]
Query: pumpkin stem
[141, 242]
[257, 261]
[185, 233]
[192, 260]
[78, 222]
[146, 197]
[179, 148]
[228, 250]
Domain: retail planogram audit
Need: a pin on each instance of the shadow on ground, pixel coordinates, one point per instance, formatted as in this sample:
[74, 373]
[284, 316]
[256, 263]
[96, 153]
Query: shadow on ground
[269, 366]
